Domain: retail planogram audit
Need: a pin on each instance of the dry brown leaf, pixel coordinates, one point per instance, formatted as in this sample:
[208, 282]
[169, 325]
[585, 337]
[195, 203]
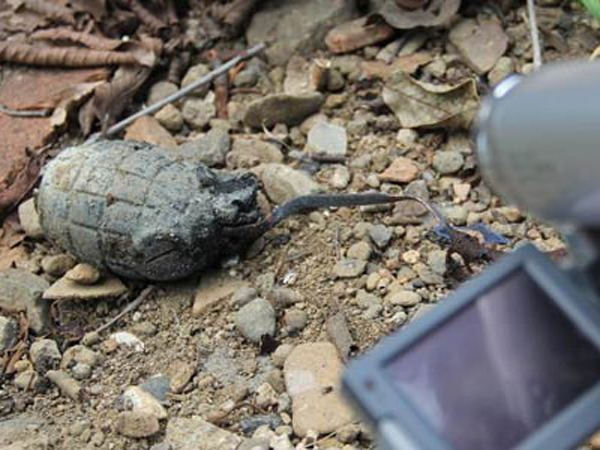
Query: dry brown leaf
[66, 34]
[110, 99]
[62, 57]
[48, 9]
[22, 185]
[419, 104]
[437, 12]
[76, 96]
[146, 17]
[408, 64]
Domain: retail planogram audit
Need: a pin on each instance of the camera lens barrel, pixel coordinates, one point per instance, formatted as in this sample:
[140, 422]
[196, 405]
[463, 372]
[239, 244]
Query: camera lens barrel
[538, 142]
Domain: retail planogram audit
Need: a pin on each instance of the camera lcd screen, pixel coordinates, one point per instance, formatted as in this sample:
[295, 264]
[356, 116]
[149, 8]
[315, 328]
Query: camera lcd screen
[498, 369]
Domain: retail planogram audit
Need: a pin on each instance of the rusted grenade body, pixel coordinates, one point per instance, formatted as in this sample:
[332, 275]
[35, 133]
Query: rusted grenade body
[133, 209]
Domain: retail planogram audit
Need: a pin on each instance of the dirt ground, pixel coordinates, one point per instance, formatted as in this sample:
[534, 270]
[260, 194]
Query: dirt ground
[190, 329]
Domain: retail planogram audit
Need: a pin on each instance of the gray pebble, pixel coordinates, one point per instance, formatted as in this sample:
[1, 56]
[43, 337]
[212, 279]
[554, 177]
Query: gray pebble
[8, 333]
[243, 296]
[256, 319]
[295, 320]
[380, 235]
[45, 355]
[447, 162]
[349, 268]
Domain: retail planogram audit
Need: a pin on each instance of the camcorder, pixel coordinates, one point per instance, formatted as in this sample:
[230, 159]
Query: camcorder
[510, 360]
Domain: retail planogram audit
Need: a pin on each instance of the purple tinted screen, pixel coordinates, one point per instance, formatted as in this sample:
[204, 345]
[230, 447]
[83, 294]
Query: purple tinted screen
[499, 369]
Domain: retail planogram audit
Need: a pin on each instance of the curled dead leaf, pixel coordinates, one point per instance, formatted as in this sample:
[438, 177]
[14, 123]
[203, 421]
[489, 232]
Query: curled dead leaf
[77, 37]
[110, 99]
[62, 56]
[436, 13]
[419, 104]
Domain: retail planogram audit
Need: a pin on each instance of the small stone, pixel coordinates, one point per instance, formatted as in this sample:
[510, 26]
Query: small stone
[127, 340]
[280, 354]
[481, 43]
[193, 74]
[510, 213]
[81, 371]
[180, 373]
[214, 288]
[380, 235]
[210, 150]
[282, 108]
[282, 183]
[327, 139]
[334, 101]
[281, 442]
[403, 298]
[361, 251]
[335, 81]
[295, 320]
[57, 265]
[349, 433]
[503, 68]
[8, 333]
[247, 153]
[357, 34]
[282, 297]
[266, 396]
[303, 77]
[198, 112]
[243, 296]
[148, 129]
[161, 90]
[91, 338]
[194, 433]
[456, 214]
[138, 400]
[30, 220]
[406, 137]
[79, 354]
[158, 386]
[107, 287]
[67, 385]
[447, 162]
[437, 261]
[161, 446]
[340, 178]
[252, 444]
[298, 25]
[349, 268]
[312, 375]
[29, 380]
[402, 170]
[428, 276]
[255, 320]
[45, 355]
[170, 118]
[370, 303]
[83, 274]
[137, 424]
[20, 290]
[247, 77]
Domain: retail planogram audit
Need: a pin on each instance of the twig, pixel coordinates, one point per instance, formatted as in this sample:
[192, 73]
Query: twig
[129, 308]
[25, 113]
[186, 90]
[535, 36]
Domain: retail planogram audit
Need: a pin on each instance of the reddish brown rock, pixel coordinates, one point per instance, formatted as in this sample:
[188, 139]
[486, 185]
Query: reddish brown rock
[402, 170]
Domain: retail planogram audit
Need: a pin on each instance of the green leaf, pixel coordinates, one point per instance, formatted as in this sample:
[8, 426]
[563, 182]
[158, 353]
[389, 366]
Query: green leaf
[593, 7]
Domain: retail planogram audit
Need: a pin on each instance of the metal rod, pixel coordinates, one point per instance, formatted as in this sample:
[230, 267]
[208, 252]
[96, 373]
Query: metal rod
[186, 90]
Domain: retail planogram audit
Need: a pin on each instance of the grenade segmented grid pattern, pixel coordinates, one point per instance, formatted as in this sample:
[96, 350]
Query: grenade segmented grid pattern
[132, 209]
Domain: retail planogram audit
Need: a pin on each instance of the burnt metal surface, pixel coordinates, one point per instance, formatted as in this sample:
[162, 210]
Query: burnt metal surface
[130, 208]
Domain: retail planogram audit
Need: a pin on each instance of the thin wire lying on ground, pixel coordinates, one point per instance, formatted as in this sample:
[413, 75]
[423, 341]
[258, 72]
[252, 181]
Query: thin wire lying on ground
[184, 91]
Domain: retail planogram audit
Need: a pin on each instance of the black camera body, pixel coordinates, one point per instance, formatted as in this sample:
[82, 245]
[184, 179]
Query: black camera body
[510, 360]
